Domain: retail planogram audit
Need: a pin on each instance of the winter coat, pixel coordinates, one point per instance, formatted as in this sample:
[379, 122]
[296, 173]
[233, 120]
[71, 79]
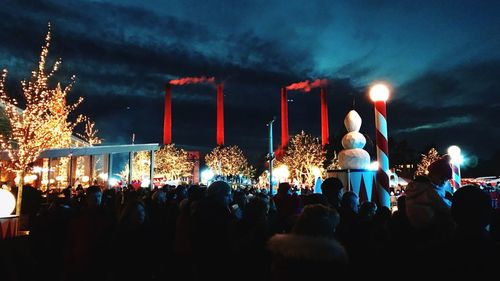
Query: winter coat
[424, 205]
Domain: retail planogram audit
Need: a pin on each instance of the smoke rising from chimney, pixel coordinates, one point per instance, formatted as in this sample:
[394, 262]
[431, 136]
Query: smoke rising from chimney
[192, 80]
[306, 86]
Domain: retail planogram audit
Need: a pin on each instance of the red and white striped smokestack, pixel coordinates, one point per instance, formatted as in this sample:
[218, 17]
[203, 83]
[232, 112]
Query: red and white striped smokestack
[284, 117]
[167, 116]
[220, 114]
[324, 118]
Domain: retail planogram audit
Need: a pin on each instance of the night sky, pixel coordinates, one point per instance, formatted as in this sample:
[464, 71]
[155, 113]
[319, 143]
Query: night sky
[442, 59]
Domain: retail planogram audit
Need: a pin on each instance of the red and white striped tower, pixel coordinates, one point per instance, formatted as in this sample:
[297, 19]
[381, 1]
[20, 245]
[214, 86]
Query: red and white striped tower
[379, 94]
[220, 114]
[167, 116]
[284, 118]
[324, 118]
[456, 161]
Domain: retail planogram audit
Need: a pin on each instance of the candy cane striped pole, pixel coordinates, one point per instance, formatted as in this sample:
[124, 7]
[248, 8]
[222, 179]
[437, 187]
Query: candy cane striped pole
[456, 159]
[379, 94]
[455, 179]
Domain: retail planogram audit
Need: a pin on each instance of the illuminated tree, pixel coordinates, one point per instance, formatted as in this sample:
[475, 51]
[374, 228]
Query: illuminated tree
[140, 164]
[427, 159]
[170, 162]
[335, 162]
[303, 155]
[42, 124]
[229, 161]
[173, 163]
[90, 135]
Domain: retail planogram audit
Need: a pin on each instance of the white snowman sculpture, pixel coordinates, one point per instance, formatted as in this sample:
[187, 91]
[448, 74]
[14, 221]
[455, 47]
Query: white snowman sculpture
[353, 156]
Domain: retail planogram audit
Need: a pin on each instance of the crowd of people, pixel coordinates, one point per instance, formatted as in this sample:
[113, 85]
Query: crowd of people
[217, 232]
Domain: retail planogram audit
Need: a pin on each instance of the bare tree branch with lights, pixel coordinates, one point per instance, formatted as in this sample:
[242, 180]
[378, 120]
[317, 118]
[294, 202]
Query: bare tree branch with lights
[90, 134]
[427, 159]
[43, 124]
[303, 154]
[229, 161]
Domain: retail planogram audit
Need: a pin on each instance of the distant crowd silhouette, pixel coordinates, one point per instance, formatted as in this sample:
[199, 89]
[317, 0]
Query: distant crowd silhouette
[220, 233]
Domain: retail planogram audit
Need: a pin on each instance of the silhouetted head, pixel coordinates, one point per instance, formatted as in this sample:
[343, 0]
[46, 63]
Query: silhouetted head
[284, 188]
[332, 188]
[317, 220]
[220, 191]
[440, 170]
[350, 201]
[94, 196]
[159, 197]
[471, 207]
[67, 192]
[133, 215]
[367, 210]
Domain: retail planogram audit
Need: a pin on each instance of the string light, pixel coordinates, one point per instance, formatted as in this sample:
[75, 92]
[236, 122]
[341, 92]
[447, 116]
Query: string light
[303, 155]
[171, 163]
[43, 124]
[229, 161]
[427, 159]
[90, 135]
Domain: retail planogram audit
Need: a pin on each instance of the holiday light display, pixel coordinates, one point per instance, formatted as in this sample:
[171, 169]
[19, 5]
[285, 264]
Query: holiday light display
[228, 161]
[172, 163]
[427, 159]
[90, 135]
[303, 153]
[42, 124]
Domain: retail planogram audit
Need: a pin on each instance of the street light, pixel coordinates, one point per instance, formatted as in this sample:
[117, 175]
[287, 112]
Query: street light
[379, 93]
[456, 160]
[271, 155]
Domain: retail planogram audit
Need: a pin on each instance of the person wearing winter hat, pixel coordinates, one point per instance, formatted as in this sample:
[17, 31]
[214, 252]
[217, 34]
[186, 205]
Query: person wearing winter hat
[440, 173]
[426, 205]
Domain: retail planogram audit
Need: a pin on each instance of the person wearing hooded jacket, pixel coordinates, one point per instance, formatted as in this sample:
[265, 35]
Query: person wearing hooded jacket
[427, 203]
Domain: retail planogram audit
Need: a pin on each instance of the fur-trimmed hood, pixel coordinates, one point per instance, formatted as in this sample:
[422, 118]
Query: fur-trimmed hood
[291, 246]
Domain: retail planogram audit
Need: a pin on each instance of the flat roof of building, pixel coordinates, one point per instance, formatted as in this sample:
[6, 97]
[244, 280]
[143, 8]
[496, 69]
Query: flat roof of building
[98, 150]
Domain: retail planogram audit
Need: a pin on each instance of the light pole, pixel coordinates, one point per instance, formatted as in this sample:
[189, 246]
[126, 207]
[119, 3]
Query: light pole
[456, 160]
[379, 93]
[271, 156]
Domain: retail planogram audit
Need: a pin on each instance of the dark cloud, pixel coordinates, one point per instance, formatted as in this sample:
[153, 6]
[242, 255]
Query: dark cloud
[474, 83]
[123, 53]
[452, 106]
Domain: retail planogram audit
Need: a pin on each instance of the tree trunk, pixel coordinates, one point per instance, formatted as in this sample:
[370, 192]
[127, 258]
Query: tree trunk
[19, 192]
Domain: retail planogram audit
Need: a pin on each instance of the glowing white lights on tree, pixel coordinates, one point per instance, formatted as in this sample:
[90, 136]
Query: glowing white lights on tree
[303, 155]
[170, 162]
[173, 163]
[427, 159]
[229, 161]
[90, 135]
[42, 124]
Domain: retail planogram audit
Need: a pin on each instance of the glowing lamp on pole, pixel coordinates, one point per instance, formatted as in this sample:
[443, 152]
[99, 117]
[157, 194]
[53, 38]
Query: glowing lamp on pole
[456, 160]
[379, 93]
